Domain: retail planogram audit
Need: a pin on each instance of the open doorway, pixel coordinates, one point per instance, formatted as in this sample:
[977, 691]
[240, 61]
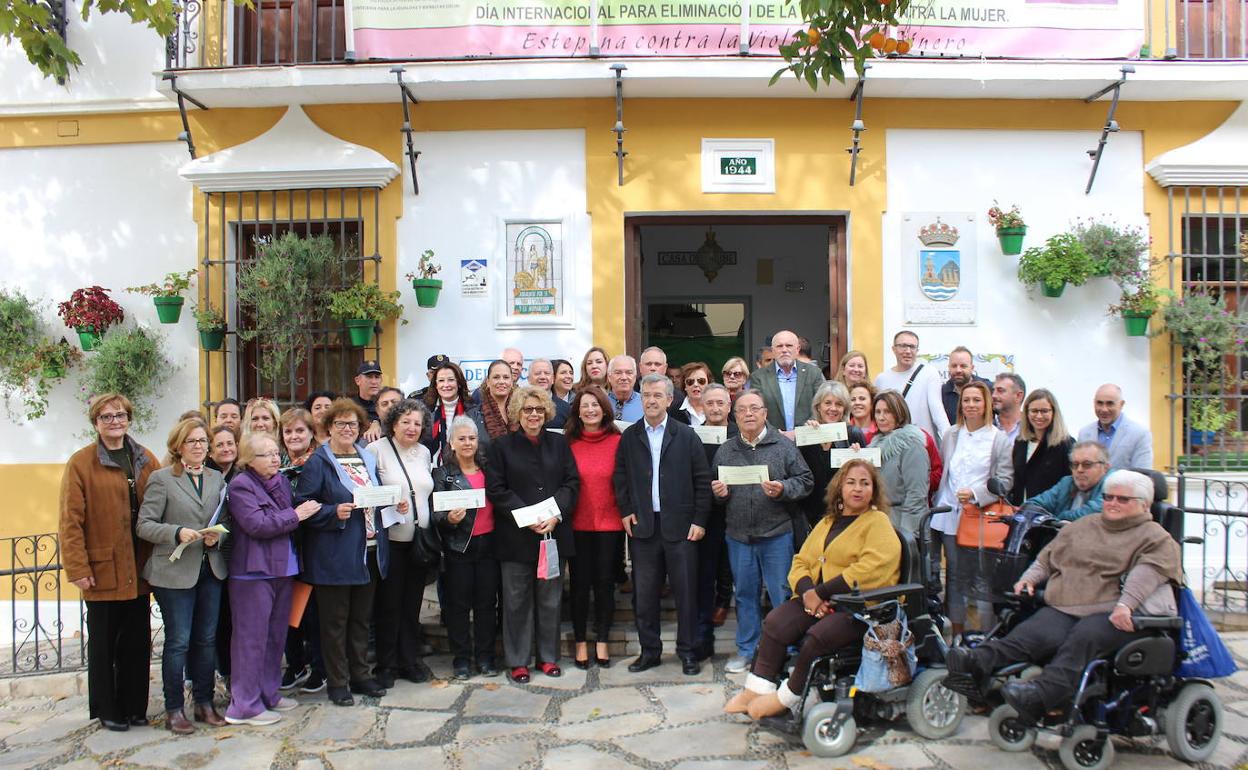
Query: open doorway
[706, 288]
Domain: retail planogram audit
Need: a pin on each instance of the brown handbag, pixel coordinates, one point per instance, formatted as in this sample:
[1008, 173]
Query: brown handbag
[985, 527]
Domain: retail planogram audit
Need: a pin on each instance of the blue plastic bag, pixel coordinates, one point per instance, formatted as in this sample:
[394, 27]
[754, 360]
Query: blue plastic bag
[1204, 654]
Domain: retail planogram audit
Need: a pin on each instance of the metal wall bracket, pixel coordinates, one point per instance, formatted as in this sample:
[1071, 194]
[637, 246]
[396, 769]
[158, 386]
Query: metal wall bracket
[185, 136]
[1111, 125]
[619, 129]
[406, 95]
[858, 126]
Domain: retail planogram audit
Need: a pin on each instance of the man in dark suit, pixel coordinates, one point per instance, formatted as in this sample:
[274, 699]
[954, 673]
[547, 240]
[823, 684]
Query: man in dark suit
[663, 489]
[788, 386]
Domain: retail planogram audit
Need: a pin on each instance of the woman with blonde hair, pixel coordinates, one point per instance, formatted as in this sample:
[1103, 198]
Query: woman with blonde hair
[735, 374]
[594, 369]
[1042, 449]
[261, 416]
[853, 369]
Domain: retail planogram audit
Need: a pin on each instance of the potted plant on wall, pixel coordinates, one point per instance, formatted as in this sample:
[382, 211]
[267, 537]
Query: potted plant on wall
[1060, 261]
[211, 326]
[131, 362]
[90, 311]
[1205, 330]
[1206, 417]
[167, 295]
[1116, 252]
[1010, 228]
[30, 363]
[361, 307]
[1136, 308]
[427, 287]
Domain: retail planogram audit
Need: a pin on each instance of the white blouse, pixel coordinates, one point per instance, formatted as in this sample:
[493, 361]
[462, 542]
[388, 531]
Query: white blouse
[416, 461]
[968, 468]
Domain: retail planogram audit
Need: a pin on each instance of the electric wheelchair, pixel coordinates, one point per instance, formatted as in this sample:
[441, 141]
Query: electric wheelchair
[831, 707]
[1134, 692]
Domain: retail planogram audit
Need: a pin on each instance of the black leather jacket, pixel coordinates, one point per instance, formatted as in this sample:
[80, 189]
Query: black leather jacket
[455, 537]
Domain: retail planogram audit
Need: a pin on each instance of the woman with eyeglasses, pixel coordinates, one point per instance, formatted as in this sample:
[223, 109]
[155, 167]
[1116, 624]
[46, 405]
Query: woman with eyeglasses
[695, 376]
[263, 563]
[346, 550]
[181, 500]
[101, 494]
[735, 375]
[526, 467]
[1042, 449]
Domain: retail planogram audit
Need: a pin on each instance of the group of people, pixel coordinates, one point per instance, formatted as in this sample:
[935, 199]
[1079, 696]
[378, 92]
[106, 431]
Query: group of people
[268, 570]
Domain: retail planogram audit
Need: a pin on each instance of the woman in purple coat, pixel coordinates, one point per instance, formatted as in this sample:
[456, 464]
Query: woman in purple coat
[262, 564]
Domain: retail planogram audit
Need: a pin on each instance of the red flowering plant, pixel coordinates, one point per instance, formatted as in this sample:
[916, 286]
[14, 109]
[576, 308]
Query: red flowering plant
[1003, 219]
[90, 308]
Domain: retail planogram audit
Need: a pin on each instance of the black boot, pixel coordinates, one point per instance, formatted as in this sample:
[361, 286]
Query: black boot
[966, 676]
[1024, 697]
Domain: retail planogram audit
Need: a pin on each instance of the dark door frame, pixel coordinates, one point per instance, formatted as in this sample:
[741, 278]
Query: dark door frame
[838, 268]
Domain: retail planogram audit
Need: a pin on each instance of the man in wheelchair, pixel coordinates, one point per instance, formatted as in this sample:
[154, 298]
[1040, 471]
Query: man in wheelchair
[854, 544]
[1099, 571]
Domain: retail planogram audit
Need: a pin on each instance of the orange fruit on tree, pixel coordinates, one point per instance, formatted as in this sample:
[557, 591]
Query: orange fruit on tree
[903, 47]
[877, 41]
[814, 36]
[890, 45]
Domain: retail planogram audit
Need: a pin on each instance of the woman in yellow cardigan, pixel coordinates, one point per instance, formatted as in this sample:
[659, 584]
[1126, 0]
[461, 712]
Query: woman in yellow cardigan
[853, 544]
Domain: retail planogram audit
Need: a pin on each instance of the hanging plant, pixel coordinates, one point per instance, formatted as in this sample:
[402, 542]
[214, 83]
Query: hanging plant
[131, 362]
[285, 289]
[1117, 252]
[361, 307]
[1060, 261]
[30, 363]
[423, 282]
[167, 295]
[1200, 324]
[1010, 228]
[836, 31]
[90, 312]
[210, 324]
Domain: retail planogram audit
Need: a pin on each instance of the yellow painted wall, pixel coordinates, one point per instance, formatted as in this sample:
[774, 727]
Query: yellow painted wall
[662, 174]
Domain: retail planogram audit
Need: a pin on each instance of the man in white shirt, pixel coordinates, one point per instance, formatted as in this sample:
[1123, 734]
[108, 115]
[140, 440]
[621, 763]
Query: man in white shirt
[917, 383]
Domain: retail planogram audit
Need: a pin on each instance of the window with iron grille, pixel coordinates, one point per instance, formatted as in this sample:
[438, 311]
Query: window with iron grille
[1207, 225]
[238, 223]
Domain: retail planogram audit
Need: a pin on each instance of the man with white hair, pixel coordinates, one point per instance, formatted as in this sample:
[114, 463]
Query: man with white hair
[1130, 445]
[1078, 494]
[788, 387]
[622, 375]
[654, 361]
[542, 375]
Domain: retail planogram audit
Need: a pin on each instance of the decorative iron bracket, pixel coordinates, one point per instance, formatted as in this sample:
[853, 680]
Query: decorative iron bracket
[618, 128]
[1111, 125]
[185, 136]
[858, 126]
[406, 95]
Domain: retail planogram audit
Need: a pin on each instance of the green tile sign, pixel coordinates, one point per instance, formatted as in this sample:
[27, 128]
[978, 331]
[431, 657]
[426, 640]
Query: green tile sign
[740, 165]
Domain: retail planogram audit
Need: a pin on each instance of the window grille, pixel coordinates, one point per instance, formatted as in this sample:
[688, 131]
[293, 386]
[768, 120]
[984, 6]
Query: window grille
[235, 223]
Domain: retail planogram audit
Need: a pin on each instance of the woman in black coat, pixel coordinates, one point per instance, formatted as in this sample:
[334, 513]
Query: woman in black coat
[830, 404]
[1042, 449]
[525, 467]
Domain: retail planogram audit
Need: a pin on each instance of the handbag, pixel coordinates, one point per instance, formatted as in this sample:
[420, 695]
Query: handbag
[987, 527]
[888, 657]
[1204, 654]
[427, 544]
[547, 558]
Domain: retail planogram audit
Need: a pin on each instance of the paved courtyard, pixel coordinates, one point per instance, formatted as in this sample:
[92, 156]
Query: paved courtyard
[601, 719]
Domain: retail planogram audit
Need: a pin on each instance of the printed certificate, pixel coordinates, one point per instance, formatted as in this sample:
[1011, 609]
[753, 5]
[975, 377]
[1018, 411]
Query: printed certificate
[743, 474]
[376, 497]
[458, 498]
[826, 433]
[842, 456]
[711, 434]
[535, 514]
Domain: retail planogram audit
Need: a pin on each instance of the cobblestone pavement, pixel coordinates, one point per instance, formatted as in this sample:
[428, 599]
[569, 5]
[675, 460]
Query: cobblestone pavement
[602, 719]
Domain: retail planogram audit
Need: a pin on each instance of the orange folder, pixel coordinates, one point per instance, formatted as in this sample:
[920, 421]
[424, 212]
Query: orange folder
[299, 595]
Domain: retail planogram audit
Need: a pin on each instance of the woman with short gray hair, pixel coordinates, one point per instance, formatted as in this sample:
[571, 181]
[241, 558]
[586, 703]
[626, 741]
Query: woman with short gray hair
[830, 404]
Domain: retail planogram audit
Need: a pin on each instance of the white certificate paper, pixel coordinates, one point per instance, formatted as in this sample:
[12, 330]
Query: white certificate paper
[535, 514]
[826, 433]
[711, 434]
[390, 516]
[842, 456]
[743, 474]
[376, 497]
[218, 528]
[458, 498]
[622, 425]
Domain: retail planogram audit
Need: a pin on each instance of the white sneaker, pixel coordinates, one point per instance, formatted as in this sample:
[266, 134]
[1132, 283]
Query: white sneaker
[285, 704]
[263, 719]
[737, 665]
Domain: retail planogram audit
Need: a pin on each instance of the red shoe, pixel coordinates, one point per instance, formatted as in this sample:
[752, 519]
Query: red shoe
[519, 675]
[550, 669]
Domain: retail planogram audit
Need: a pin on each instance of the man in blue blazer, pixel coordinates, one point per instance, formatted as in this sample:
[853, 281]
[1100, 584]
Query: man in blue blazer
[663, 489]
[1130, 445]
[788, 385]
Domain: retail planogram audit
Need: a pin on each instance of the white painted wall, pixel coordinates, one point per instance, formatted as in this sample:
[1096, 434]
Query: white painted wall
[1068, 345]
[118, 62]
[470, 181]
[798, 253]
[116, 215]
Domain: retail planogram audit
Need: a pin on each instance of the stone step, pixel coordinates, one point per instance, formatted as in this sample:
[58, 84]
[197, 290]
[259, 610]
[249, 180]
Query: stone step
[621, 641]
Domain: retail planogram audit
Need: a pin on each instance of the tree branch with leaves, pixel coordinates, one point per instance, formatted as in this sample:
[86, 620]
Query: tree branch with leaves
[839, 31]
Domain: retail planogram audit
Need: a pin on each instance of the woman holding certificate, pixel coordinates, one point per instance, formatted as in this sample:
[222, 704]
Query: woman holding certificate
[596, 529]
[262, 568]
[181, 500]
[904, 463]
[403, 461]
[470, 579]
[829, 406]
[346, 550]
[531, 477]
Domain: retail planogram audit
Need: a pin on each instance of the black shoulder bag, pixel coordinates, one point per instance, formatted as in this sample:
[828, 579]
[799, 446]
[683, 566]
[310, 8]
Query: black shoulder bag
[910, 381]
[427, 544]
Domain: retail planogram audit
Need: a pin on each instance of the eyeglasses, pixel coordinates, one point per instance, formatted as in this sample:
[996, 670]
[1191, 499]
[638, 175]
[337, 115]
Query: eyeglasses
[114, 417]
[1119, 499]
[1085, 465]
[532, 409]
[751, 409]
[268, 454]
[906, 346]
[196, 442]
[1039, 412]
[733, 375]
[346, 425]
[696, 381]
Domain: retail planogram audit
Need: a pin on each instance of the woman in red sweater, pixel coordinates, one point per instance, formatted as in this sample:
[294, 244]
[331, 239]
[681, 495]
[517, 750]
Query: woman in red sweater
[596, 527]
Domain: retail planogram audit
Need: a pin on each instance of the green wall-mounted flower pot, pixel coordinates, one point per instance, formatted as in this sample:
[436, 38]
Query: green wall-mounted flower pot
[88, 337]
[212, 339]
[1136, 323]
[1049, 290]
[360, 331]
[168, 309]
[1011, 240]
[427, 290]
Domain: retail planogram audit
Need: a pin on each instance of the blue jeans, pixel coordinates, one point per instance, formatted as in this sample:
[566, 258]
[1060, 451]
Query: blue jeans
[190, 616]
[768, 562]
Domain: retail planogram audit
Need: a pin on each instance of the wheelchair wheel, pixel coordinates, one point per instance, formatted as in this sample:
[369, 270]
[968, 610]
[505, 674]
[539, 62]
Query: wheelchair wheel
[932, 710]
[1084, 749]
[1193, 723]
[1006, 731]
[823, 737]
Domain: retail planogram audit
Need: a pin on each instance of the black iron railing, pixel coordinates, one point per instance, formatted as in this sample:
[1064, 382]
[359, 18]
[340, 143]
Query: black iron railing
[1217, 568]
